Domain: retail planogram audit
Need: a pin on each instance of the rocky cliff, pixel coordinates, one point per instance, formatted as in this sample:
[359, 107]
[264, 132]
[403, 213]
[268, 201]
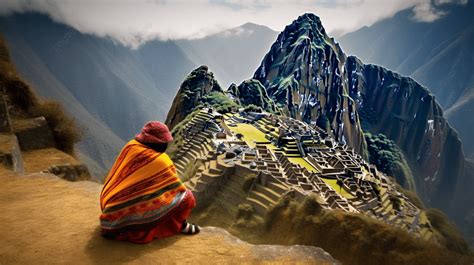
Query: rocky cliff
[199, 83]
[251, 92]
[408, 113]
[308, 75]
[304, 73]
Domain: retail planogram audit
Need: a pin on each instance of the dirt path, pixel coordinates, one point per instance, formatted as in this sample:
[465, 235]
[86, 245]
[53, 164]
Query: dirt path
[46, 220]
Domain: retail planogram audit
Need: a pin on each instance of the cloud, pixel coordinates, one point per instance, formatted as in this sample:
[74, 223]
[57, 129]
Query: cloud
[242, 4]
[431, 10]
[135, 21]
[426, 12]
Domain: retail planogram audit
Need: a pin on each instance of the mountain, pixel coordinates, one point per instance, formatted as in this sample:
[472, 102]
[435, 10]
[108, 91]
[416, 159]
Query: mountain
[232, 53]
[35, 135]
[308, 75]
[267, 178]
[437, 54]
[197, 85]
[112, 90]
[304, 73]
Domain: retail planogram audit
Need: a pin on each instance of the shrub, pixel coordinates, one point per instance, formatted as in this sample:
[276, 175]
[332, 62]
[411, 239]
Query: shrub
[64, 129]
[388, 158]
[219, 101]
[352, 238]
[450, 236]
[25, 103]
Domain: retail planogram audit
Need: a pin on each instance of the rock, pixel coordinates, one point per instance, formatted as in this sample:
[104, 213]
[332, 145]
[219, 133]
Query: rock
[198, 83]
[253, 165]
[33, 134]
[5, 123]
[237, 149]
[319, 84]
[275, 253]
[230, 154]
[252, 92]
[10, 153]
[310, 83]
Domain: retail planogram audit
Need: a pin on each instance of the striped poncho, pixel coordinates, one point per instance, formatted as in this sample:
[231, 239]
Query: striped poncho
[142, 187]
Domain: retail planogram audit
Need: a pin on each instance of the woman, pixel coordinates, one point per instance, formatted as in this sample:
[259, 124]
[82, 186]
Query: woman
[143, 198]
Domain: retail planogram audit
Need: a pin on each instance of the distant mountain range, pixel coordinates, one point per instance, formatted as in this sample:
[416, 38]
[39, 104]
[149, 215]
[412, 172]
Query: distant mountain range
[112, 90]
[439, 55]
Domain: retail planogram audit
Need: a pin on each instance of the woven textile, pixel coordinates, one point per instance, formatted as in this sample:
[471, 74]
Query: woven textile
[142, 187]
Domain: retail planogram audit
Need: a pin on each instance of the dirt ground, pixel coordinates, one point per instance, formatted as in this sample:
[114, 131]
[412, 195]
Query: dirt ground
[46, 220]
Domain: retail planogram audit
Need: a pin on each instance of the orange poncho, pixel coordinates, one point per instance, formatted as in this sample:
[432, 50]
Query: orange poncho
[141, 188]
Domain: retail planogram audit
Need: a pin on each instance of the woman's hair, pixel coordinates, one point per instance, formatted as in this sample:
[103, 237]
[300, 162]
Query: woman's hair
[160, 148]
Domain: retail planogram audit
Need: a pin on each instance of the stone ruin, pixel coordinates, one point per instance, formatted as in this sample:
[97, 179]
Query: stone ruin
[213, 143]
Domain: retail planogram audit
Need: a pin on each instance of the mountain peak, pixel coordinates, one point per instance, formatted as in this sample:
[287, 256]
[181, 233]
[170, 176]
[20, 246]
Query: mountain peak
[307, 22]
[197, 84]
[253, 26]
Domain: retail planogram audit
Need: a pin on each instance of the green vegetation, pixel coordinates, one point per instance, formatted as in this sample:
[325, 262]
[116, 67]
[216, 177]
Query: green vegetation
[26, 104]
[447, 232]
[219, 101]
[251, 134]
[65, 131]
[177, 133]
[337, 188]
[385, 154]
[351, 238]
[302, 162]
[410, 195]
[253, 108]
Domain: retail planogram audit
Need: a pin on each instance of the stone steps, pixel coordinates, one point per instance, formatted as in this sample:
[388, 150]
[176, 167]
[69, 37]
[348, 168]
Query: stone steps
[262, 198]
[273, 195]
[277, 187]
[209, 177]
[215, 171]
[260, 208]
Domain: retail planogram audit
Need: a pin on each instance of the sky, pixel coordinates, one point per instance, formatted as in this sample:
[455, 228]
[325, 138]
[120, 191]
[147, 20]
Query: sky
[133, 22]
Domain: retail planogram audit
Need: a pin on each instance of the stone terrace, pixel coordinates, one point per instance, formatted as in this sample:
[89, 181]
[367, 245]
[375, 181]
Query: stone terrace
[291, 159]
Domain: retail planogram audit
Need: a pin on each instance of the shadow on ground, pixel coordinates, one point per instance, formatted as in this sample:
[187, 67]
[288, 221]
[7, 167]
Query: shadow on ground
[107, 251]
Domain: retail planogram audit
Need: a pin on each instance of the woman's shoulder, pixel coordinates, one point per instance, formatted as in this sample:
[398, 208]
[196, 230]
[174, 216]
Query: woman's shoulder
[164, 158]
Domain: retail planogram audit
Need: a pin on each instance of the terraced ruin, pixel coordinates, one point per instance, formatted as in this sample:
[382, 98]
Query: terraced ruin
[288, 158]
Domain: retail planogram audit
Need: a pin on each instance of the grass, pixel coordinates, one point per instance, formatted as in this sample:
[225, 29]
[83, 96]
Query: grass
[177, 133]
[251, 134]
[450, 236]
[302, 162]
[331, 182]
[351, 238]
[64, 129]
[337, 188]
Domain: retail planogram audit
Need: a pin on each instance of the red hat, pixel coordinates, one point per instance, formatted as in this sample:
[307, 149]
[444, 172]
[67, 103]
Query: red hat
[154, 132]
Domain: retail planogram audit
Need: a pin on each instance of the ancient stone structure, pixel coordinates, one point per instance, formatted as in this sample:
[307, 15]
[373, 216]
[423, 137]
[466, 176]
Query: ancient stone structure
[27, 145]
[289, 157]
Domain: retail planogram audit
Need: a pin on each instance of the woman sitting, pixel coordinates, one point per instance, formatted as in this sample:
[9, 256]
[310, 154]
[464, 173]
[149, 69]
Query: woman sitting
[143, 198]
